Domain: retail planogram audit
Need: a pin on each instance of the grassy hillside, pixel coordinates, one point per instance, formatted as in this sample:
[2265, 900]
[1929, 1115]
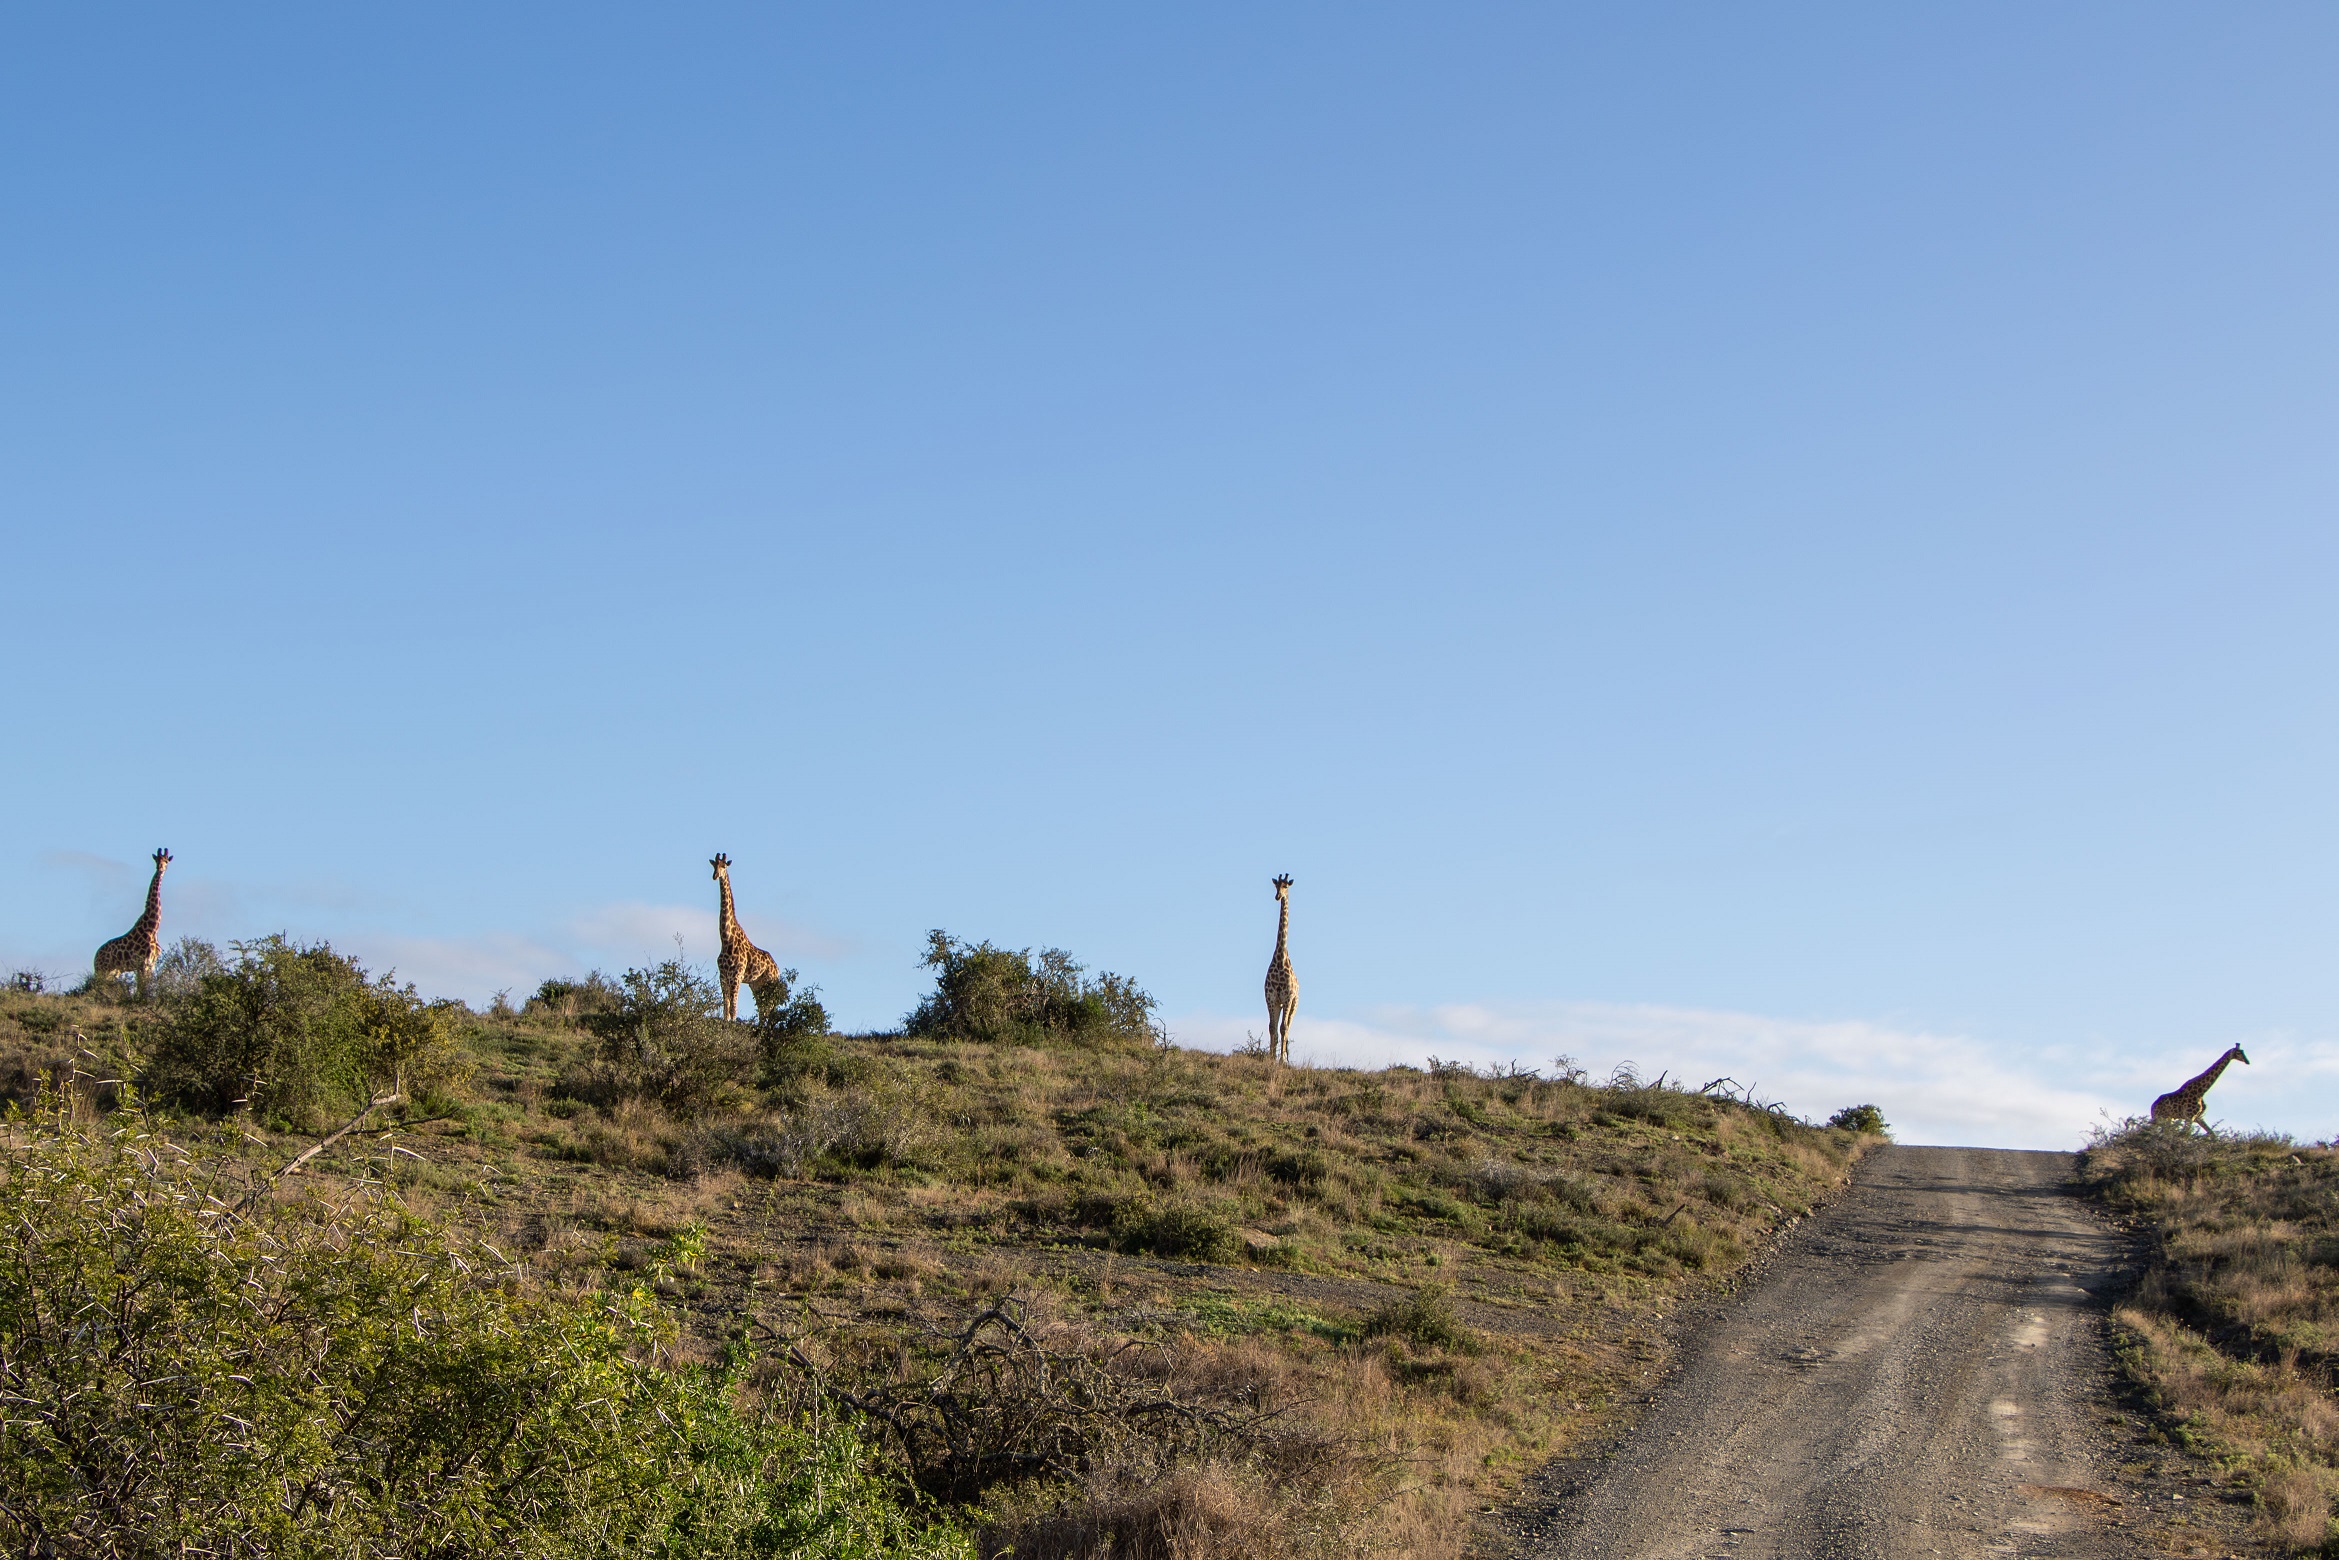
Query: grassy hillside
[1092, 1297]
[2234, 1329]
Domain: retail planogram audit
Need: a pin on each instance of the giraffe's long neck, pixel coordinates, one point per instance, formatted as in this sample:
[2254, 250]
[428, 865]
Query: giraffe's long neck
[153, 916]
[1282, 930]
[2201, 1084]
[728, 922]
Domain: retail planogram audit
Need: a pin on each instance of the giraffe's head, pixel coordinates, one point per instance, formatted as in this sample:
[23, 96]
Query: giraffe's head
[162, 859]
[1283, 887]
[2236, 1054]
[722, 866]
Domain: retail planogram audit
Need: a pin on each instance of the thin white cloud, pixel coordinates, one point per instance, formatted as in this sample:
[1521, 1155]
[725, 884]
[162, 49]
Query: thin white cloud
[198, 904]
[112, 895]
[634, 931]
[473, 968]
[615, 936]
[89, 864]
[611, 936]
[1933, 1088]
[105, 885]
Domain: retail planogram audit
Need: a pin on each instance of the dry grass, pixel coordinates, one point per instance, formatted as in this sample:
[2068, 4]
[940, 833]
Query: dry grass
[1410, 1287]
[1202, 1512]
[2232, 1329]
[79, 1040]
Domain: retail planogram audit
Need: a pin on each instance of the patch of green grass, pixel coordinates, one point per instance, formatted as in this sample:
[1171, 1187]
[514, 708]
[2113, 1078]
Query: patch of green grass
[1220, 1315]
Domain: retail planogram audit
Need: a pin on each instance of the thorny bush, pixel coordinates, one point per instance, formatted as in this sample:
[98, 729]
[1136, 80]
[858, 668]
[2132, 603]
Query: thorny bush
[991, 1404]
[192, 1366]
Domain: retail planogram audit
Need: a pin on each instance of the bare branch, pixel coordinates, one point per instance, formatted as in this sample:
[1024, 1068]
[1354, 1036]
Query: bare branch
[307, 1154]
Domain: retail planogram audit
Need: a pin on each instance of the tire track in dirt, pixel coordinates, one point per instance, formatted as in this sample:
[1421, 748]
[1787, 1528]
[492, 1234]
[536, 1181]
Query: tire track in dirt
[1923, 1372]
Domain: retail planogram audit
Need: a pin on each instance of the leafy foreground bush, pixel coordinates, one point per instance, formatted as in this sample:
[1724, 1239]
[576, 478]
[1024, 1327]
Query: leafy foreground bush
[294, 1031]
[186, 1367]
[2230, 1331]
[1004, 996]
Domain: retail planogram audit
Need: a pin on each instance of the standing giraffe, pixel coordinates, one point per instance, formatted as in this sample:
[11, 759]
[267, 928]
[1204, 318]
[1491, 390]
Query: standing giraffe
[741, 960]
[2185, 1104]
[135, 951]
[1282, 985]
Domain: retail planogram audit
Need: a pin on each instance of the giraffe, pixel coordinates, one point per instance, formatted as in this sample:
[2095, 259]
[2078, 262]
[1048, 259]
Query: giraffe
[1282, 985]
[741, 960]
[2185, 1104]
[135, 951]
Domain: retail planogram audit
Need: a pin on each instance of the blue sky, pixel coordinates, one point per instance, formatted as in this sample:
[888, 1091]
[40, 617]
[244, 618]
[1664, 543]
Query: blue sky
[1794, 542]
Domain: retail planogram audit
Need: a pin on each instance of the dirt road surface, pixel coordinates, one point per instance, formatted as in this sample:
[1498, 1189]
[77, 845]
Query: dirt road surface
[1921, 1372]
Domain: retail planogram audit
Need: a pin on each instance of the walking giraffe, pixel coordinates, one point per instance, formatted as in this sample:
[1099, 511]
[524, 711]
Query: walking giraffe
[134, 952]
[1282, 985]
[741, 960]
[2185, 1104]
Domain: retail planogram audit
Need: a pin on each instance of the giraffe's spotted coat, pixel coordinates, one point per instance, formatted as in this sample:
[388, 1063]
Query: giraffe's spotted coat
[136, 950]
[741, 962]
[1282, 984]
[2187, 1103]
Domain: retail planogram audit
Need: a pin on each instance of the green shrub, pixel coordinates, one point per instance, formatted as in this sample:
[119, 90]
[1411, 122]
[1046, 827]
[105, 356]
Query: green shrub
[567, 1001]
[861, 1128]
[665, 1038]
[789, 1061]
[1002, 995]
[1655, 1104]
[190, 1371]
[1304, 1169]
[790, 1023]
[759, 1486]
[1859, 1118]
[294, 1031]
[179, 973]
[1182, 1229]
[1552, 1225]
[1424, 1318]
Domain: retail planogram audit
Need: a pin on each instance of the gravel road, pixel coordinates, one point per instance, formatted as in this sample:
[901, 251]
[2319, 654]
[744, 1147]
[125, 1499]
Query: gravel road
[1921, 1372]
